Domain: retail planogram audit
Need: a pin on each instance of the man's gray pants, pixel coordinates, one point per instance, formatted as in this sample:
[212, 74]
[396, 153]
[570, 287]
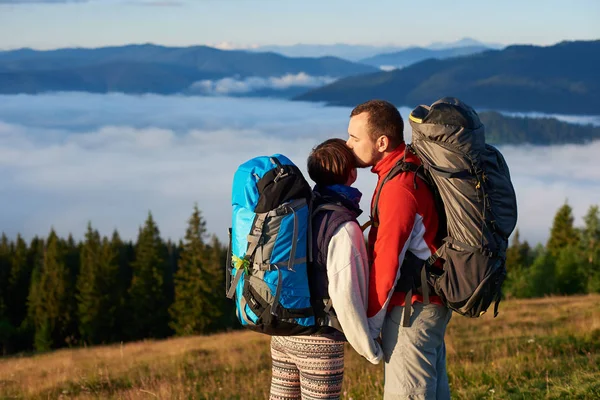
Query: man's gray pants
[415, 356]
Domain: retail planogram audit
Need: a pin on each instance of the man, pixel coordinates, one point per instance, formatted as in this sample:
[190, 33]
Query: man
[406, 222]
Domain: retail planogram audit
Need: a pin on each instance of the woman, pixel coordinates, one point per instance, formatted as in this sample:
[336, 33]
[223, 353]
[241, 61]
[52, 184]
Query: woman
[313, 366]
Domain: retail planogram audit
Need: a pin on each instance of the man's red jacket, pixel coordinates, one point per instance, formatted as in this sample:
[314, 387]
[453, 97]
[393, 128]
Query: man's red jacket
[408, 221]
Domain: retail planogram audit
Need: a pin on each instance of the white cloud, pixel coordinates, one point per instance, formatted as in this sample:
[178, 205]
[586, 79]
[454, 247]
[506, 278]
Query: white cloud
[69, 158]
[546, 177]
[573, 119]
[89, 164]
[233, 86]
[233, 46]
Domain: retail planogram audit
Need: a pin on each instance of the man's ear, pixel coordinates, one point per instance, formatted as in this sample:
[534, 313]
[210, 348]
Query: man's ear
[382, 144]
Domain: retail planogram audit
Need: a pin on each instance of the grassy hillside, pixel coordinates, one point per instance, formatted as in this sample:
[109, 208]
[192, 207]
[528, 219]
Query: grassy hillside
[555, 79]
[544, 348]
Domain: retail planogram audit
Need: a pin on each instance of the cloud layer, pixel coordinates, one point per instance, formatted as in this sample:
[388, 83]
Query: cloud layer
[233, 86]
[69, 158]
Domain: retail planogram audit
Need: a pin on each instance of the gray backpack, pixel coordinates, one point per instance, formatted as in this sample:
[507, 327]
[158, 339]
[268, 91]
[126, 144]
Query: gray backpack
[476, 202]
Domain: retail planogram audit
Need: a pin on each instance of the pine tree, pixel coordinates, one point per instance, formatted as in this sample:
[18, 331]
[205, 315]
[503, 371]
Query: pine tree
[125, 252]
[18, 289]
[570, 275]
[195, 306]
[518, 260]
[88, 299]
[227, 316]
[562, 233]
[7, 330]
[35, 260]
[148, 303]
[172, 258]
[590, 241]
[540, 279]
[19, 282]
[49, 297]
[518, 255]
[512, 253]
[70, 250]
[96, 301]
[591, 234]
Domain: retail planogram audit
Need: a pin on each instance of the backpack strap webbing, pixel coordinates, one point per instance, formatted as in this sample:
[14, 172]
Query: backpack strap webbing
[328, 306]
[292, 207]
[497, 303]
[424, 275]
[451, 173]
[236, 280]
[309, 243]
[329, 207]
[254, 239]
[407, 308]
[255, 234]
[401, 166]
[294, 244]
[228, 265]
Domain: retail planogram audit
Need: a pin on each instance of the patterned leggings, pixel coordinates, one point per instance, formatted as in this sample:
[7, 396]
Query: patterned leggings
[306, 367]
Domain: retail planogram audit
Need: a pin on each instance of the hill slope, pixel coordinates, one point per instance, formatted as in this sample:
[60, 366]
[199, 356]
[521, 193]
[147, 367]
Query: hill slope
[558, 79]
[413, 55]
[150, 68]
[543, 348]
[501, 129]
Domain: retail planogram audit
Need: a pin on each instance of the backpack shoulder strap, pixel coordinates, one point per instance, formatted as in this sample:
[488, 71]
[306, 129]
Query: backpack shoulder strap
[339, 215]
[328, 207]
[400, 167]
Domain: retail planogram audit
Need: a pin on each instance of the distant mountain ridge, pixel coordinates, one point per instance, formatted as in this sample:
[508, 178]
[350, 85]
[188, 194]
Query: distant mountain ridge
[464, 42]
[357, 52]
[151, 68]
[413, 55]
[562, 78]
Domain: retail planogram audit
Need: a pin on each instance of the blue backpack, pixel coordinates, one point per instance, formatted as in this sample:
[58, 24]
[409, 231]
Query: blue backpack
[268, 255]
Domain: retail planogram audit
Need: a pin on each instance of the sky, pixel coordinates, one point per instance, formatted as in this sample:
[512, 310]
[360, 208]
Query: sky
[47, 24]
[70, 158]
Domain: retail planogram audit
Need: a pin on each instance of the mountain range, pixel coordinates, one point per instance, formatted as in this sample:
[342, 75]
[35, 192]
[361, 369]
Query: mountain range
[562, 78]
[404, 58]
[151, 68]
[357, 52]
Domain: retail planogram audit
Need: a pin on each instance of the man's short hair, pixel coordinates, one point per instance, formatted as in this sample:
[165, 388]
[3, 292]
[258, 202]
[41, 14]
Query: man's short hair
[384, 120]
[331, 163]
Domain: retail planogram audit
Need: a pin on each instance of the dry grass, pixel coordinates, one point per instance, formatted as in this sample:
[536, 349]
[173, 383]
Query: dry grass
[546, 348]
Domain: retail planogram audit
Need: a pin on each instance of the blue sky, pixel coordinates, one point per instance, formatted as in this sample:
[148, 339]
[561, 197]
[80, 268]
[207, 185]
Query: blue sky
[46, 24]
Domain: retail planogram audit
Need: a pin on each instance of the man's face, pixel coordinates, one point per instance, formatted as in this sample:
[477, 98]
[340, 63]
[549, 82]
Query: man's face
[360, 141]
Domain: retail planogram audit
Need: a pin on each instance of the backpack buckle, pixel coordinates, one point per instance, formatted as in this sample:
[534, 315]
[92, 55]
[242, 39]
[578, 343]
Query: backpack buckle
[280, 174]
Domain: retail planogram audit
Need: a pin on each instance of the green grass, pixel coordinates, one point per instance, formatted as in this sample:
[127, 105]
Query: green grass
[535, 349]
